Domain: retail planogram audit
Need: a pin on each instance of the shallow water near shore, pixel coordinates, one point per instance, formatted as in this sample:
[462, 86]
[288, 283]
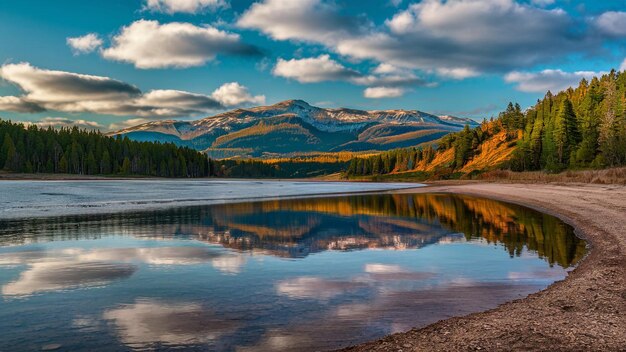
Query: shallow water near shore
[295, 274]
[27, 199]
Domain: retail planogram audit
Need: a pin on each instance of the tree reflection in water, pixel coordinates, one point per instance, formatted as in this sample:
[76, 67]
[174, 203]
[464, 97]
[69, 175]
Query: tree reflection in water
[296, 228]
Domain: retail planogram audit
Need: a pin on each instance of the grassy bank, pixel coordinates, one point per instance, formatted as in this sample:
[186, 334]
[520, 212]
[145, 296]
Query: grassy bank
[603, 176]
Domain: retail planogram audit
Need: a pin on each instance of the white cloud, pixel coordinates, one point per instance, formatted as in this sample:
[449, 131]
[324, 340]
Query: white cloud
[66, 91]
[85, 44]
[383, 92]
[315, 69]
[234, 94]
[149, 44]
[385, 68]
[323, 68]
[458, 72]
[612, 23]
[553, 80]
[73, 92]
[303, 20]
[455, 38]
[477, 35]
[622, 67]
[61, 122]
[185, 6]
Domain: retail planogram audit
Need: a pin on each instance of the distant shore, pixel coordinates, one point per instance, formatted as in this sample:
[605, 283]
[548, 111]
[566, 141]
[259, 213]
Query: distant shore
[584, 312]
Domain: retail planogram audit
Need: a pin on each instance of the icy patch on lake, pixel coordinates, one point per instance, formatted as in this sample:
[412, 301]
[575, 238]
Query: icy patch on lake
[28, 199]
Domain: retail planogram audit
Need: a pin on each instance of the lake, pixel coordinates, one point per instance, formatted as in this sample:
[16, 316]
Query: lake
[27, 199]
[275, 275]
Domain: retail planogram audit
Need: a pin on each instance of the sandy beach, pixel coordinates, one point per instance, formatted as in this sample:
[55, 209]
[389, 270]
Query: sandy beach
[584, 312]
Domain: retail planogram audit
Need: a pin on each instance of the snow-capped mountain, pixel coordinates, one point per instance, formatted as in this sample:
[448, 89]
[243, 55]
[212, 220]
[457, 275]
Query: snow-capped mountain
[295, 126]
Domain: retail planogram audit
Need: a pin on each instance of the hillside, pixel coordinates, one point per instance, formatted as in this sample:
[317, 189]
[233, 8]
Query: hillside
[579, 128]
[294, 126]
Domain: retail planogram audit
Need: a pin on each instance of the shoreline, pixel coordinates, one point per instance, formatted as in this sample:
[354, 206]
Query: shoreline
[584, 312]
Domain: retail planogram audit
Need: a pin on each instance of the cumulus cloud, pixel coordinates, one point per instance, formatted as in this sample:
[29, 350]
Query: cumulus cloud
[622, 67]
[185, 6]
[303, 20]
[542, 81]
[315, 69]
[612, 23]
[323, 68]
[73, 92]
[84, 44]
[456, 38]
[234, 94]
[149, 44]
[383, 92]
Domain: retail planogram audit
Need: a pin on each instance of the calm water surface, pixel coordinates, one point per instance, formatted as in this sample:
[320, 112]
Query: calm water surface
[275, 275]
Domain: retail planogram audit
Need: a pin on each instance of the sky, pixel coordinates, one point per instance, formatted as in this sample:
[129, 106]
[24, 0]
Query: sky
[117, 63]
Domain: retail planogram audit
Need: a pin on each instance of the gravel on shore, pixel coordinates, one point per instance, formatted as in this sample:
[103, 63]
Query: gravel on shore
[584, 312]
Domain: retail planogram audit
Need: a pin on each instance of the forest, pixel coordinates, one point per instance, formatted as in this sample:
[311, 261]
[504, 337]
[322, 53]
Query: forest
[73, 151]
[578, 128]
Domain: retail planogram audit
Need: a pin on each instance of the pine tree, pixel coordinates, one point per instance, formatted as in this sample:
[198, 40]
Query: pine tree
[565, 131]
[10, 154]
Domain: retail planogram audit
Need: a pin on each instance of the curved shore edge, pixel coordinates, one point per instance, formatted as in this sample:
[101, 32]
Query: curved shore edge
[584, 312]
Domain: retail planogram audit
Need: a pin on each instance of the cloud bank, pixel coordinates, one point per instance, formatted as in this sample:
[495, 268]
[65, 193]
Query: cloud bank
[72, 92]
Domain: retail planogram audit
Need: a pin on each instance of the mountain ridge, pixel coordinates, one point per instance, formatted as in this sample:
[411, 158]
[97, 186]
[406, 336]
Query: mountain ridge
[339, 129]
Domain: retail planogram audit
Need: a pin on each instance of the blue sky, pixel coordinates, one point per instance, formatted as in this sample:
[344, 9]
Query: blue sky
[108, 64]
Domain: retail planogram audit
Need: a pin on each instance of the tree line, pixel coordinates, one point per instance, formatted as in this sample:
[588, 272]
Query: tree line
[74, 151]
[289, 168]
[578, 128]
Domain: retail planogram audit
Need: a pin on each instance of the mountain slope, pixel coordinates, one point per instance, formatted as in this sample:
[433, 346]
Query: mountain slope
[294, 126]
[577, 128]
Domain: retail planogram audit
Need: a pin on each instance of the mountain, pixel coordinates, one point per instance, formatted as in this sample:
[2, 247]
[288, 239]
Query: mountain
[292, 127]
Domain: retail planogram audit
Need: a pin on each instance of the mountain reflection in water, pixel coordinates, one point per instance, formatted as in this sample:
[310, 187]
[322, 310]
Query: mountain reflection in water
[297, 228]
[303, 274]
